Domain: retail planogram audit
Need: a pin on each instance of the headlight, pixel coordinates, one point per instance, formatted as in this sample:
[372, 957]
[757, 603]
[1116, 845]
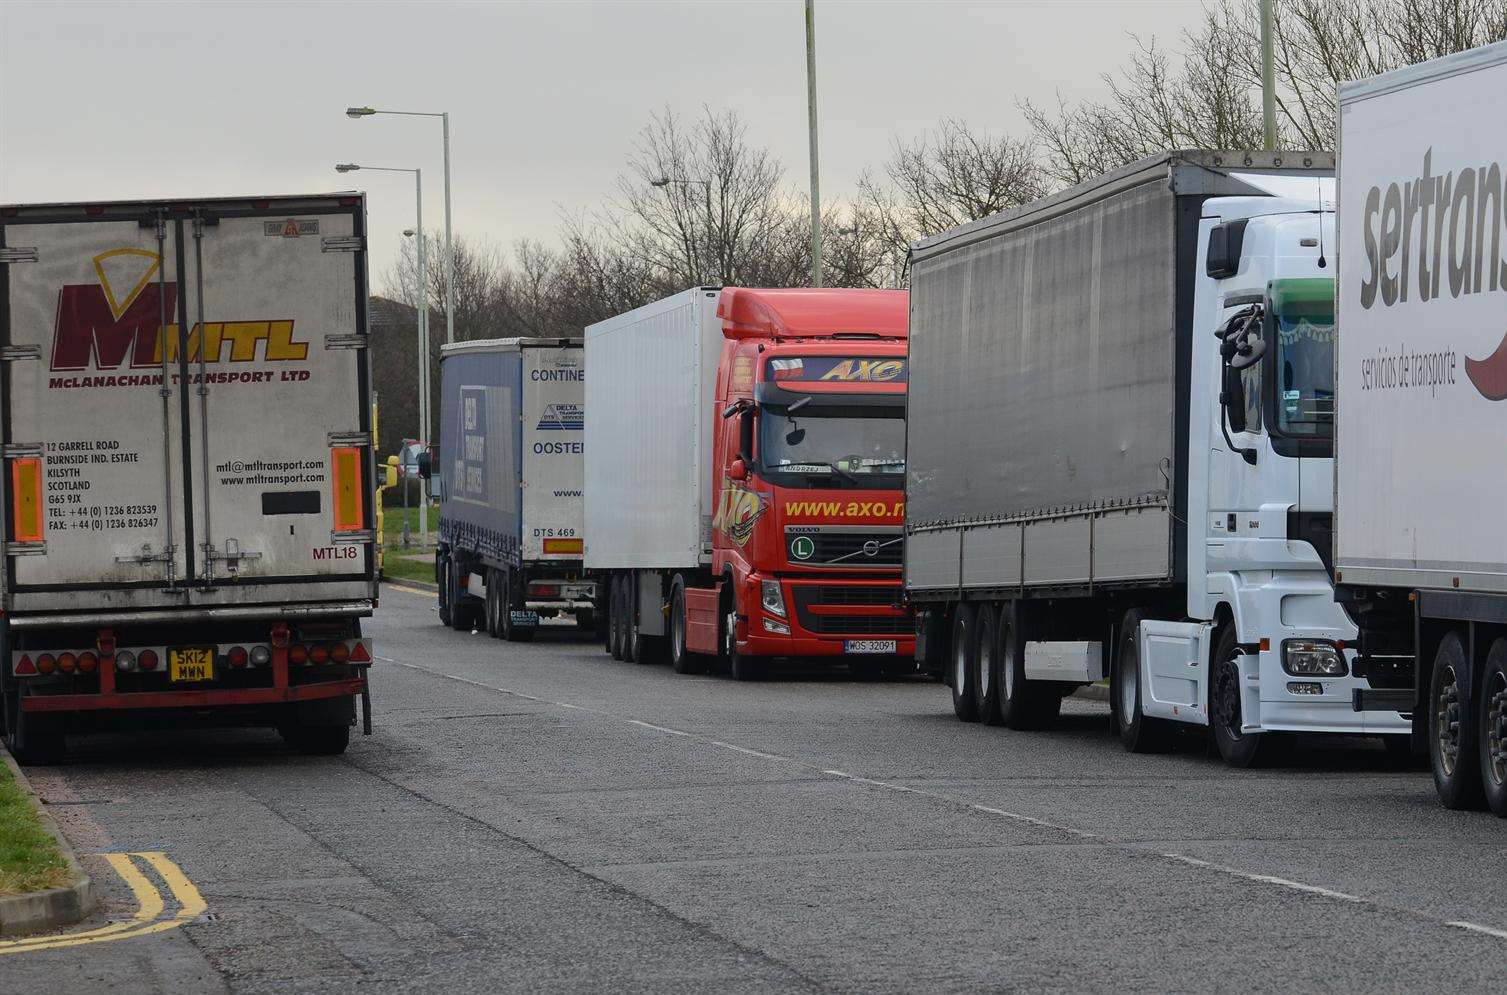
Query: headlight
[772, 598]
[1312, 658]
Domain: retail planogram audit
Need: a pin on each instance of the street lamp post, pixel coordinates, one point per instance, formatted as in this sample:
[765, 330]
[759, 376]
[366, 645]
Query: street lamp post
[816, 205]
[706, 186]
[444, 116]
[423, 309]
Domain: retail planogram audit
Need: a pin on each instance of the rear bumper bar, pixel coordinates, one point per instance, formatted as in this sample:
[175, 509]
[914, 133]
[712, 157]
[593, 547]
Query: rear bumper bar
[189, 613]
[227, 697]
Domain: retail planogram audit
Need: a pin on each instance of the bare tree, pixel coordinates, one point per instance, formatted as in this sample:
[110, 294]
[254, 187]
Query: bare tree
[938, 181]
[1211, 96]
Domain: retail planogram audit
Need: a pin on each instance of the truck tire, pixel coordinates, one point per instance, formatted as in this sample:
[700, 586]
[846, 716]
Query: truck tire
[740, 666]
[442, 582]
[615, 618]
[1492, 728]
[629, 625]
[1138, 733]
[493, 613]
[1236, 748]
[961, 667]
[462, 613]
[1453, 752]
[317, 741]
[986, 665]
[1023, 704]
[682, 660]
[32, 740]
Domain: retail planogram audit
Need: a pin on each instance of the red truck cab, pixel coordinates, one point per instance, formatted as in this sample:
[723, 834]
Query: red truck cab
[809, 472]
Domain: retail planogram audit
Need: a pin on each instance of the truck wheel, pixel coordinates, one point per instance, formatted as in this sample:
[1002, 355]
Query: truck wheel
[492, 613]
[986, 667]
[1236, 748]
[682, 661]
[442, 581]
[30, 739]
[604, 616]
[1138, 733]
[317, 741]
[1023, 704]
[462, 614]
[615, 618]
[741, 666]
[1492, 736]
[961, 668]
[1452, 741]
[629, 625]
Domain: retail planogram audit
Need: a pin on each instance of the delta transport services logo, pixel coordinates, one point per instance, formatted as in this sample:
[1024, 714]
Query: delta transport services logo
[115, 323]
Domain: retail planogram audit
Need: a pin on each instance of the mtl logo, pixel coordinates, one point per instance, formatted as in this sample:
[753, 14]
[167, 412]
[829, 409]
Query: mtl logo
[563, 417]
[118, 320]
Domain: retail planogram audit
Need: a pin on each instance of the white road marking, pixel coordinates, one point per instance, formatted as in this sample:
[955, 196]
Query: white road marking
[1083, 834]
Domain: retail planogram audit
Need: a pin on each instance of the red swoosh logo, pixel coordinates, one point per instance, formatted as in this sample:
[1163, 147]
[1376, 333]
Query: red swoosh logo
[1490, 374]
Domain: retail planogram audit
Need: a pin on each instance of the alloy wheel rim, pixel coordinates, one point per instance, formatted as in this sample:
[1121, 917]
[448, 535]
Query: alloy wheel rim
[1227, 698]
[986, 669]
[1496, 729]
[959, 667]
[1447, 722]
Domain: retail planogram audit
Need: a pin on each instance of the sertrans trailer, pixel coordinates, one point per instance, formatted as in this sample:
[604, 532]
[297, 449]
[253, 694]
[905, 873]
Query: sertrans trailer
[1420, 556]
[744, 461]
[511, 422]
[1120, 449]
[188, 498]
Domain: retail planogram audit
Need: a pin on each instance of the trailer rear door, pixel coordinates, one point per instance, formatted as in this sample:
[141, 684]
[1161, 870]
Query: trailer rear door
[93, 434]
[554, 397]
[279, 448]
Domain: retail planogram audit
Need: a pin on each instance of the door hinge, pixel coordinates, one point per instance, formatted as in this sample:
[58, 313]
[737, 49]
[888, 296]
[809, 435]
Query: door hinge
[20, 450]
[19, 254]
[352, 538]
[25, 548]
[342, 243]
[13, 353]
[345, 341]
[232, 556]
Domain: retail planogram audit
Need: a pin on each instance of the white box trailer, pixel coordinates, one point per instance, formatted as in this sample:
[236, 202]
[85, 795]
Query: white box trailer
[648, 482]
[187, 441]
[1421, 374]
[511, 469]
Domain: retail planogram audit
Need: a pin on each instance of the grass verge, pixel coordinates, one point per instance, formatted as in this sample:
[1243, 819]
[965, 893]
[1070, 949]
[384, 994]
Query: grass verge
[29, 857]
[408, 567]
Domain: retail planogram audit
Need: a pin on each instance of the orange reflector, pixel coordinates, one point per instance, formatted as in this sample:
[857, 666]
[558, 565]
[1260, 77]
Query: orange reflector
[1266, 643]
[359, 653]
[562, 545]
[26, 486]
[346, 462]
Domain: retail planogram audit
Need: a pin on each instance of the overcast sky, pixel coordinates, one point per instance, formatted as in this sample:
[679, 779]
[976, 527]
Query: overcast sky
[125, 100]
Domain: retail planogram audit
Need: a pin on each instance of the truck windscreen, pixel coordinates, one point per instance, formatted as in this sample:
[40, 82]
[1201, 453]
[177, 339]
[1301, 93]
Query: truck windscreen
[835, 449]
[1303, 315]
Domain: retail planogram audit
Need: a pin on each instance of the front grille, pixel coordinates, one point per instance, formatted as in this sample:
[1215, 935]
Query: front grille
[845, 549]
[811, 596]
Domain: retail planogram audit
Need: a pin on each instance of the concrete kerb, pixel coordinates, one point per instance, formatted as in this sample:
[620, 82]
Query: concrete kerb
[420, 585]
[1093, 692]
[55, 907]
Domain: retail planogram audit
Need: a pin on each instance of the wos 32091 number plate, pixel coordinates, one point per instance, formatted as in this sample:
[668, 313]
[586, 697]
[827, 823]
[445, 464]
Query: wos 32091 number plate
[191, 663]
[869, 646]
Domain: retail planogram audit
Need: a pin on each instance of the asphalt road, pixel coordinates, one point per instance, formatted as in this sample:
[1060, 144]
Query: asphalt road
[541, 818]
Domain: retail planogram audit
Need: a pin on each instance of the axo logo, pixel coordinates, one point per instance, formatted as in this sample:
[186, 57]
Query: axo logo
[118, 321]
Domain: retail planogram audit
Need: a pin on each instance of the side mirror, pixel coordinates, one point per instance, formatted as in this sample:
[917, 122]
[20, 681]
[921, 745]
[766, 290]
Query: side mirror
[425, 461]
[1233, 399]
[738, 471]
[390, 472]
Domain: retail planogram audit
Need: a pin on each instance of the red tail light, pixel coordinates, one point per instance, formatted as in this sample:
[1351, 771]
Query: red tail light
[544, 590]
[88, 663]
[359, 654]
[298, 654]
[24, 667]
[147, 659]
[46, 664]
[237, 656]
[339, 653]
[319, 654]
[67, 663]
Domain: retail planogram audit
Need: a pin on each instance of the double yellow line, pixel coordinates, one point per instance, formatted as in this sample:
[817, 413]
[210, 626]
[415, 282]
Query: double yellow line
[151, 913]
